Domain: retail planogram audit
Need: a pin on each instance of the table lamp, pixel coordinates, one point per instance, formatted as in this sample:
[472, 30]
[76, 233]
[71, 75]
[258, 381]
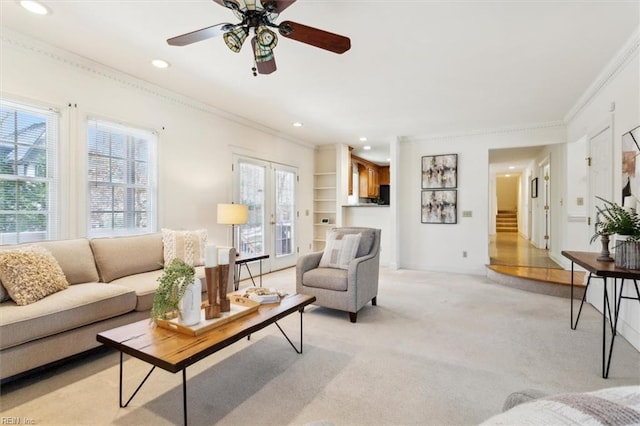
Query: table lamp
[232, 214]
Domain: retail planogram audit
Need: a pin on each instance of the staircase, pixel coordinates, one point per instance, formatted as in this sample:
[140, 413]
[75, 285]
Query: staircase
[507, 221]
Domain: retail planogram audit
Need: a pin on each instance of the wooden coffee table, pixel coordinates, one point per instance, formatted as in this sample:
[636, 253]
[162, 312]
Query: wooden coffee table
[173, 351]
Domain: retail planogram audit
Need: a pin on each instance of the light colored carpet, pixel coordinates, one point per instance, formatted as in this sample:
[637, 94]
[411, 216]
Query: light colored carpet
[438, 349]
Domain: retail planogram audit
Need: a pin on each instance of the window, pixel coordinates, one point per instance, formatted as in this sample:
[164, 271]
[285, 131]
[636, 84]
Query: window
[28, 158]
[121, 177]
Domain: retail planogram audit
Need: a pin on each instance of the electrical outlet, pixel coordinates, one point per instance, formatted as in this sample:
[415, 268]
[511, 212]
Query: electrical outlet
[467, 213]
[464, 254]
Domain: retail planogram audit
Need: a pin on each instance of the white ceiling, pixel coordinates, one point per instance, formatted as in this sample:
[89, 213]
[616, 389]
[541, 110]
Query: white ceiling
[416, 68]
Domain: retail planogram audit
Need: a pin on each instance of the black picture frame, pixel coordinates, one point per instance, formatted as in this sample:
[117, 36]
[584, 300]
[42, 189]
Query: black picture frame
[439, 171]
[439, 206]
[534, 188]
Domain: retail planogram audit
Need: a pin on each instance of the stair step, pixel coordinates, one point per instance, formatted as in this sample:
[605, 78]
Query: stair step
[553, 282]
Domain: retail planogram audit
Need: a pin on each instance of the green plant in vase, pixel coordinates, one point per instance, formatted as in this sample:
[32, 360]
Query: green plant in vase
[615, 219]
[172, 285]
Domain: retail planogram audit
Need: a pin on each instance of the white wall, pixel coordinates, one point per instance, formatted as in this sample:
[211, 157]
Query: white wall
[615, 96]
[440, 247]
[196, 142]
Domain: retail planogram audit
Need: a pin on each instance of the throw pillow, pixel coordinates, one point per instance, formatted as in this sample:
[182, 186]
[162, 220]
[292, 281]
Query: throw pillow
[186, 245]
[340, 249]
[30, 274]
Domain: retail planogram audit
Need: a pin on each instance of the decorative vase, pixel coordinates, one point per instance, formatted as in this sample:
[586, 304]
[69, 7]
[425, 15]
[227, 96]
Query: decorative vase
[191, 302]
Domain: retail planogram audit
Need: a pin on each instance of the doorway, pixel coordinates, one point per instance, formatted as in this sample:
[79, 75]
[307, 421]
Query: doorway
[518, 194]
[269, 191]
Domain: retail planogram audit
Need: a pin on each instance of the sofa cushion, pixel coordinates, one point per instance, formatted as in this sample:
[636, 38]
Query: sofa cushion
[144, 285]
[30, 274]
[340, 250]
[122, 256]
[78, 305]
[328, 278]
[186, 245]
[75, 258]
[367, 235]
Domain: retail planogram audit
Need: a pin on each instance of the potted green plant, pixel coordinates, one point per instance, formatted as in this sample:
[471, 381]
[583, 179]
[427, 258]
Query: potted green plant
[624, 223]
[615, 219]
[173, 284]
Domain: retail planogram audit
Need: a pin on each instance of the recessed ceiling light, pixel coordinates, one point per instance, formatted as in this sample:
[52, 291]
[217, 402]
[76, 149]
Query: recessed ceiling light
[159, 63]
[363, 139]
[507, 175]
[512, 167]
[366, 147]
[298, 124]
[34, 7]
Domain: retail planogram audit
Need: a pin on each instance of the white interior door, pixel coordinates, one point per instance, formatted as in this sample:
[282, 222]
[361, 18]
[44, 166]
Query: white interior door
[269, 191]
[600, 173]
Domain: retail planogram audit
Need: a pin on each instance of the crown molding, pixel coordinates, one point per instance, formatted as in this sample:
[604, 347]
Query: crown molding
[621, 59]
[18, 40]
[488, 132]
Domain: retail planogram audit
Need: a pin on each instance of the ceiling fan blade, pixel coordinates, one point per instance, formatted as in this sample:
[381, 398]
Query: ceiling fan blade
[277, 6]
[265, 61]
[315, 37]
[199, 35]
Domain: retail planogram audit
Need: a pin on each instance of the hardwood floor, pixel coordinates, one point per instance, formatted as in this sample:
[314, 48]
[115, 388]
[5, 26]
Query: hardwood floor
[510, 254]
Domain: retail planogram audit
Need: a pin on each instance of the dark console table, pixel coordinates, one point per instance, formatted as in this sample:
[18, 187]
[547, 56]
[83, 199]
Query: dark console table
[603, 270]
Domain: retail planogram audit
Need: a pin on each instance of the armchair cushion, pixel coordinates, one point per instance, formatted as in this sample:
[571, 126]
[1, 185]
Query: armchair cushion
[327, 278]
[340, 249]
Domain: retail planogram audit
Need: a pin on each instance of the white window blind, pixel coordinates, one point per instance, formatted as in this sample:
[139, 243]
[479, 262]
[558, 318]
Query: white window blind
[122, 179]
[28, 173]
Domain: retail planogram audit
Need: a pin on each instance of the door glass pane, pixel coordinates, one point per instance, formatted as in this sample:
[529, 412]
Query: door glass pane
[252, 186]
[284, 211]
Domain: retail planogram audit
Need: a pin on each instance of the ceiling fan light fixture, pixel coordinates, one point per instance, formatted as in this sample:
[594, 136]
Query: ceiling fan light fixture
[262, 54]
[267, 38]
[235, 38]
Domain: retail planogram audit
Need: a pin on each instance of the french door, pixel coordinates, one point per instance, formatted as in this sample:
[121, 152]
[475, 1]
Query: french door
[269, 191]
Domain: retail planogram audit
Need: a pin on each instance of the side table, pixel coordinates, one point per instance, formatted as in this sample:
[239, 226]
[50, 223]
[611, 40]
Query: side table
[245, 259]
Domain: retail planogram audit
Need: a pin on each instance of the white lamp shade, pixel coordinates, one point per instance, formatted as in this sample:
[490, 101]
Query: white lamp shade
[232, 214]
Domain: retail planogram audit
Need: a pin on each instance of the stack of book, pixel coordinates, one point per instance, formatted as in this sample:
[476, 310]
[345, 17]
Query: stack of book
[262, 295]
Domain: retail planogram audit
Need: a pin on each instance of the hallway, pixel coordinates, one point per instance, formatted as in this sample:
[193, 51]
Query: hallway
[512, 255]
[510, 249]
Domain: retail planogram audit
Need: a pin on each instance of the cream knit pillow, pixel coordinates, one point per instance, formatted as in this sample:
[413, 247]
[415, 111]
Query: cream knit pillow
[186, 245]
[30, 274]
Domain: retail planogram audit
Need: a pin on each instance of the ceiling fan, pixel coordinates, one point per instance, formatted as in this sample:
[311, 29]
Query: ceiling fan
[258, 16]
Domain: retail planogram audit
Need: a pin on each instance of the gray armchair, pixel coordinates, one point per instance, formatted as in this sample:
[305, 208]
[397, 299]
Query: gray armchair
[343, 289]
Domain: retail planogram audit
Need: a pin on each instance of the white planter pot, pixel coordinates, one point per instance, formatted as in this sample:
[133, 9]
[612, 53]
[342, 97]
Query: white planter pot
[191, 302]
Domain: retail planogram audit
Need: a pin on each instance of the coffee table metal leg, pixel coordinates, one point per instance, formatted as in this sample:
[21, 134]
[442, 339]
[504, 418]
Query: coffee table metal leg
[184, 394]
[299, 351]
[139, 386]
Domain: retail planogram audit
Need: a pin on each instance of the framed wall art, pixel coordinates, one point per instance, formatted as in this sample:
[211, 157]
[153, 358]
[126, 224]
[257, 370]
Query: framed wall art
[439, 206]
[440, 171]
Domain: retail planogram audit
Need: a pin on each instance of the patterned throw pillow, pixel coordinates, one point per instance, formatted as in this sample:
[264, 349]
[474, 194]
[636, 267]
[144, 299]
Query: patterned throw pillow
[340, 249]
[186, 245]
[30, 274]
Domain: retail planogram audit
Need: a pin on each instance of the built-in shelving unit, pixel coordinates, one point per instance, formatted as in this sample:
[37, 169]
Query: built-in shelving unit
[325, 190]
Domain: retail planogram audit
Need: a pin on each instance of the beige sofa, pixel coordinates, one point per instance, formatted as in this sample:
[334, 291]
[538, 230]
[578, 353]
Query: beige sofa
[112, 282]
